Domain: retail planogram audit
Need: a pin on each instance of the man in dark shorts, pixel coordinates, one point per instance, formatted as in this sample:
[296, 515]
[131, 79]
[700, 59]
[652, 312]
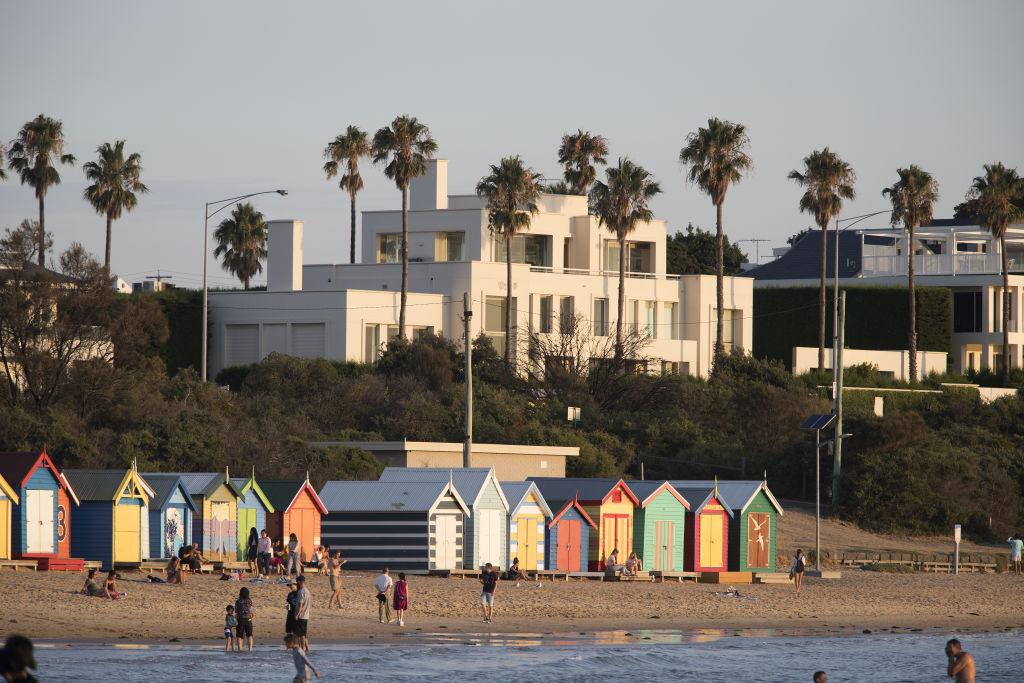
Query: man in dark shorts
[302, 602]
[244, 612]
[292, 602]
[489, 579]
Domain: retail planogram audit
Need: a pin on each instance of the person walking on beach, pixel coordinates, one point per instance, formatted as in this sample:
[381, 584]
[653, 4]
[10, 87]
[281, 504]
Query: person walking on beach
[302, 664]
[383, 585]
[961, 664]
[401, 599]
[230, 625]
[302, 603]
[291, 601]
[294, 565]
[489, 579]
[796, 569]
[334, 570]
[1016, 544]
[263, 550]
[245, 613]
[251, 548]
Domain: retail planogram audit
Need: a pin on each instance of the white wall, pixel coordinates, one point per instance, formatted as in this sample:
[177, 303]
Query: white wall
[896, 362]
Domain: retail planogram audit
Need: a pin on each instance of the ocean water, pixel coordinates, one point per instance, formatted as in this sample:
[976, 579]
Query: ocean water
[705, 656]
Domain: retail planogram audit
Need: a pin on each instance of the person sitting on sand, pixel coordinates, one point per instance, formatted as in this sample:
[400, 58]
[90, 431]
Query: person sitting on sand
[174, 573]
[515, 573]
[92, 588]
[111, 586]
[632, 564]
[961, 664]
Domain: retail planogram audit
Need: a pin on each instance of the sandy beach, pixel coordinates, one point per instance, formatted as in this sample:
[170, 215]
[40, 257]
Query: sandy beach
[45, 605]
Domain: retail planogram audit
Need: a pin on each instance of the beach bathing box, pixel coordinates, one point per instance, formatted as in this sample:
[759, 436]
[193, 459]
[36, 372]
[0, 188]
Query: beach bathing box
[752, 529]
[528, 514]
[659, 525]
[707, 528]
[8, 498]
[568, 538]
[486, 535]
[609, 502]
[253, 508]
[405, 526]
[297, 510]
[215, 522]
[41, 515]
[171, 512]
[112, 520]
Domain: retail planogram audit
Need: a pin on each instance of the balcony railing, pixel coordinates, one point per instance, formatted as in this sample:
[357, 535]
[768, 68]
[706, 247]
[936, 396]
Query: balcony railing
[932, 264]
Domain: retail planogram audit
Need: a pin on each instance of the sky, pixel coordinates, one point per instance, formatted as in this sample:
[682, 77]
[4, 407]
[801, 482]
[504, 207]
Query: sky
[226, 98]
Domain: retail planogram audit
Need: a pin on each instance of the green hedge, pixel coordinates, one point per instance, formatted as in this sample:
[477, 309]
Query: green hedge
[184, 311]
[876, 317]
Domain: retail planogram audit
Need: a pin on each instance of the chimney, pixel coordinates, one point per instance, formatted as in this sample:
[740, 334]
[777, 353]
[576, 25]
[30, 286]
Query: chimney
[284, 256]
[430, 190]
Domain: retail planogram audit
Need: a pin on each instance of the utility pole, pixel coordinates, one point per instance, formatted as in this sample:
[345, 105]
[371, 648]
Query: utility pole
[467, 450]
[837, 462]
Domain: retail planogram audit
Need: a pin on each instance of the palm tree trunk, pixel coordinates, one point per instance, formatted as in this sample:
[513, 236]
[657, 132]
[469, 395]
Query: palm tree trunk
[719, 287]
[912, 333]
[42, 234]
[508, 305]
[622, 300]
[405, 260]
[821, 299]
[106, 251]
[1006, 312]
[352, 246]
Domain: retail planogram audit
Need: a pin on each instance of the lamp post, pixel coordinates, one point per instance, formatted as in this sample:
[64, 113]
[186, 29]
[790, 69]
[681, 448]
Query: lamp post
[816, 423]
[837, 393]
[206, 255]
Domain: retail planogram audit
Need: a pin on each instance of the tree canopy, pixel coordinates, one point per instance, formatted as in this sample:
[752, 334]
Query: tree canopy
[693, 253]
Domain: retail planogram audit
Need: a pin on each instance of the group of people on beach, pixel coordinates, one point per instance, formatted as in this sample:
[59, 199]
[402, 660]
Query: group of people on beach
[107, 590]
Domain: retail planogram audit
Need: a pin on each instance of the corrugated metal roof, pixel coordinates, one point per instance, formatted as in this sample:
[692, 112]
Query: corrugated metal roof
[280, 492]
[468, 481]
[196, 483]
[163, 485]
[698, 494]
[734, 493]
[516, 492]
[381, 496]
[95, 484]
[803, 260]
[557, 490]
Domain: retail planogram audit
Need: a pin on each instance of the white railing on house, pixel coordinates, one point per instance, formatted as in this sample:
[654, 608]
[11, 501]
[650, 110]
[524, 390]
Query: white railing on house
[932, 264]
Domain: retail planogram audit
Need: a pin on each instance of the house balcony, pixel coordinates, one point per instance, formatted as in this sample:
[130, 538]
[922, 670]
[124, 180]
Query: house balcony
[937, 264]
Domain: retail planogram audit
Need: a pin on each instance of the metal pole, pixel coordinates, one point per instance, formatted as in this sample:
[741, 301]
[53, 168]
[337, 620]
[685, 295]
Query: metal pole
[206, 258]
[835, 312]
[467, 316]
[837, 462]
[817, 500]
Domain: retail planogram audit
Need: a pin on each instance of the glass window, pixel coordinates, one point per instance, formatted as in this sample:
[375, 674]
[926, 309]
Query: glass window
[494, 315]
[611, 256]
[532, 249]
[545, 314]
[649, 319]
[371, 353]
[670, 324]
[566, 313]
[631, 326]
[638, 257]
[419, 331]
[730, 319]
[450, 246]
[600, 317]
[669, 367]
[389, 247]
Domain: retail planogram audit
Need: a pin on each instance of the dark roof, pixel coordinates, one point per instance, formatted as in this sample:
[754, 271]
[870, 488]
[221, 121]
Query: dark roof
[803, 260]
[15, 466]
[383, 496]
[468, 481]
[280, 492]
[735, 493]
[557, 490]
[163, 486]
[952, 223]
[31, 270]
[95, 484]
[698, 494]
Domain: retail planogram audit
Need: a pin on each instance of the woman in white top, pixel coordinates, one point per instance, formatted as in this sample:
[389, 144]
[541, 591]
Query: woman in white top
[294, 565]
[796, 569]
[632, 564]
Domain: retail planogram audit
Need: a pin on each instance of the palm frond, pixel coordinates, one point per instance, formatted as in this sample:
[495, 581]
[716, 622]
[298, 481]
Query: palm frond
[827, 181]
[716, 157]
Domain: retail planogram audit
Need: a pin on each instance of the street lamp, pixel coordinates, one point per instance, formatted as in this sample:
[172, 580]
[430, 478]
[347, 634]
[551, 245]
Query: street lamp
[816, 423]
[206, 255]
[837, 392]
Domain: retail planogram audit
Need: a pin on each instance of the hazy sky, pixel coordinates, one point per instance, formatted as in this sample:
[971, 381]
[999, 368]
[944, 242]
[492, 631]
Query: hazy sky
[225, 98]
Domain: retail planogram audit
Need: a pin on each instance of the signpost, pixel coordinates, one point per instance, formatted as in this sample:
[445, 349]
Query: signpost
[956, 549]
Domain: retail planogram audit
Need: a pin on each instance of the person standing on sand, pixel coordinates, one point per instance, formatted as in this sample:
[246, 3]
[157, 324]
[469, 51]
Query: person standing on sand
[291, 601]
[383, 585]
[294, 565]
[489, 579]
[961, 664]
[1016, 544]
[245, 613]
[230, 626]
[401, 593]
[334, 570]
[263, 550]
[796, 569]
[302, 604]
[251, 547]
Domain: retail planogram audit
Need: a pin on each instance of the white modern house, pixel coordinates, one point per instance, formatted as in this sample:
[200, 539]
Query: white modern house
[950, 253]
[564, 280]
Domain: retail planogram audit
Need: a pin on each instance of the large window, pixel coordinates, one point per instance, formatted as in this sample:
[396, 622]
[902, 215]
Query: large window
[494, 321]
[600, 317]
[566, 314]
[649, 319]
[450, 246]
[638, 257]
[730, 322]
[967, 312]
[389, 247]
[670, 323]
[532, 249]
[544, 305]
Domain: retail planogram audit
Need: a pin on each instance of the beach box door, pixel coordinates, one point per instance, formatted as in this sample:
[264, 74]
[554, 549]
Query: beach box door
[569, 552]
[490, 536]
[664, 543]
[527, 542]
[220, 535]
[246, 521]
[444, 542]
[616, 535]
[127, 534]
[711, 528]
[39, 522]
[758, 540]
[174, 531]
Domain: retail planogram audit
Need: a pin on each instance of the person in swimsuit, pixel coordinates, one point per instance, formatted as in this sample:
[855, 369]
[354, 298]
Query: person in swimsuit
[334, 569]
[300, 659]
[401, 595]
[111, 586]
[961, 664]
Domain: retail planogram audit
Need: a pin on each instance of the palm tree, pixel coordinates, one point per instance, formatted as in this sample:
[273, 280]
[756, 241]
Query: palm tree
[115, 182]
[3, 176]
[242, 240]
[577, 153]
[827, 180]
[620, 205]
[912, 197]
[995, 194]
[33, 155]
[511, 192]
[348, 149]
[717, 158]
[406, 145]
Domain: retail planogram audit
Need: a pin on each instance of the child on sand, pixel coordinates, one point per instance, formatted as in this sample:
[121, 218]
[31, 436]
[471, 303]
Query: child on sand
[301, 660]
[230, 623]
[401, 593]
[111, 586]
[244, 612]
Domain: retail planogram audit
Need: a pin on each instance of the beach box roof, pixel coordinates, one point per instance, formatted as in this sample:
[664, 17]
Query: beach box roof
[105, 485]
[557, 490]
[470, 482]
[282, 493]
[648, 490]
[205, 483]
[163, 486]
[17, 468]
[736, 495]
[381, 496]
[516, 492]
